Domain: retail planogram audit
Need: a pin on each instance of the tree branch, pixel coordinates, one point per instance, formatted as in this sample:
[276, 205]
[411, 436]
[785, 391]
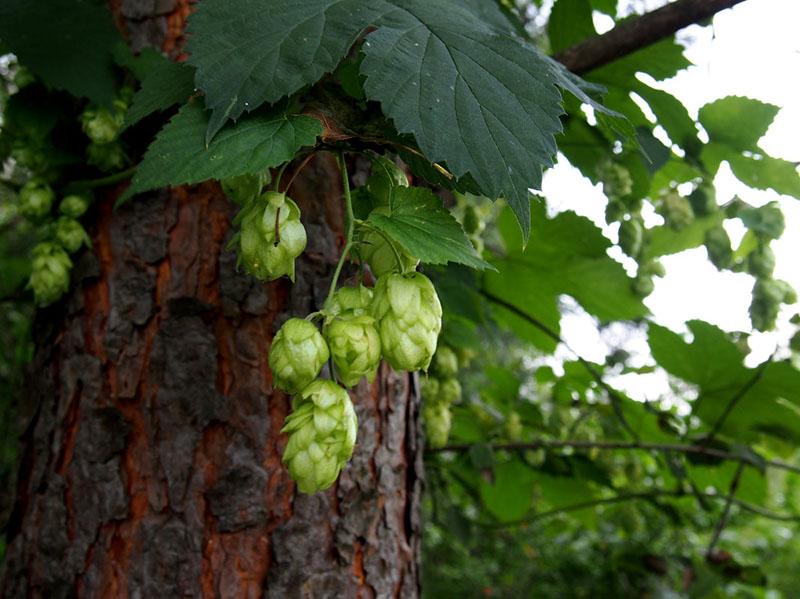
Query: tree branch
[723, 519]
[622, 445]
[635, 34]
[613, 394]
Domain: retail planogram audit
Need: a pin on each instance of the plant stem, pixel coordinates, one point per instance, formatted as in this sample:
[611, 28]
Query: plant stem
[103, 181]
[278, 177]
[349, 225]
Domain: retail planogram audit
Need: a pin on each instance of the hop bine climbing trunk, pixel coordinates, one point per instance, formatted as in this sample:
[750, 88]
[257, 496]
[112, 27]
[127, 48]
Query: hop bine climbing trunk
[152, 457]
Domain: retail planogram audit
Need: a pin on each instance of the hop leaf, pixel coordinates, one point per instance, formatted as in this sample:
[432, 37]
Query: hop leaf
[322, 434]
[271, 236]
[378, 253]
[409, 318]
[49, 273]
[297, 355]
[355, 347]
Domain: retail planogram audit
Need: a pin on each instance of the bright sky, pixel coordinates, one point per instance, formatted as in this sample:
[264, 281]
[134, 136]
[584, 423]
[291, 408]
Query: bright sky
[751, 50]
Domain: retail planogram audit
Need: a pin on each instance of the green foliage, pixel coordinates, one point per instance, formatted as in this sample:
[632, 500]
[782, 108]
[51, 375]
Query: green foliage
[178, 155]
[166, 83]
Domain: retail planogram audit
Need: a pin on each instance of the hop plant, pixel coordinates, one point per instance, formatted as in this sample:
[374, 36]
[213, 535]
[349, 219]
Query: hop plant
[513, 426]
[271, 236]
[297, 355]
[445, 362]
[676, 210]
[244, 188]
[322, 434]
[35, 199]
[355, 347]
[718, 246]
[101, 124]
[351, 301]
[106, 157]
[767, 222]
[631, 236]
[438, 420]
[704, 199]
[768, 294]
[429, 388]
[380, 256]
[643, 285]
[616, 179]
[761, 262]
[71, 234]
[409, 318]
[449, 391]
[73, 205]
[385, 177]
[50, 268]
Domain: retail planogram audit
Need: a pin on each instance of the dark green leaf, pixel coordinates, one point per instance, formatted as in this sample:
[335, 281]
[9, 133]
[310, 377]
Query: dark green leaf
[179, 154]
[68, 43]
[570, 22]
[167, 84]
[426, 228]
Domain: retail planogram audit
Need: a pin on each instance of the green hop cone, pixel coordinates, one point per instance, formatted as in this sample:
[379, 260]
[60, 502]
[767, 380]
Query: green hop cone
[643, 285]
[761, 262]
[631, 236]
[74, 205]
[244, 188]
[718, 247]
[767, 222]
[35, 199]
[704, 199]
[271, 236]
[676, 210]
[437, 419]
[445, 362]
[768, 295]
[653, 268]
[71, 234]
[322, 434]
[350, 301]
[297, 354]
[102, 125]
[472, 222]
[616, 179]
[106, 157]
[449, 391]
[378, 253]
[429, 388]
[355, 347]
[50, 268]
[409, 318]
[514, 426]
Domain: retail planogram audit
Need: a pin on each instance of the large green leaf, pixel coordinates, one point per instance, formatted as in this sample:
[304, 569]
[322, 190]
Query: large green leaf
[421, 223]
[737, 122]
[567, 255]
[248, 52]
[179, 154]
[570, 22]
[166, 84]
[665, 240]
[68, 43]
[483, 103]
[754, 169]
[510, 495]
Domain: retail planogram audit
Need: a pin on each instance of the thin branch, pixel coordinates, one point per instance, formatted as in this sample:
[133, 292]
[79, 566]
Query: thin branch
[739, 395]
[614, 396]
[622, 445]
[644, 496]
[726, 511]
[635, 34]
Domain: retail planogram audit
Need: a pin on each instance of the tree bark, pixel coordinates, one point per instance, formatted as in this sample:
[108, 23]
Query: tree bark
[152, 464]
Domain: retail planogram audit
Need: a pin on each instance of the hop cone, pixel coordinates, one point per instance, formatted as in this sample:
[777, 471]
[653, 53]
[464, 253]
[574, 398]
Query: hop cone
[445, 361]
[271, 236]
[35, 199]
[71, 234]
[297, 354]
[73, 205]
[350, 301]
[322, 434]
[355, 347]
[49, 273]
[409, 318]
[437, 419]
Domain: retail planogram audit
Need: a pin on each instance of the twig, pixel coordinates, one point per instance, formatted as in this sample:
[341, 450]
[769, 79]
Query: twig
[638, 33]
[739, 395]
[616, 400]
[723, 519]
[622, 445]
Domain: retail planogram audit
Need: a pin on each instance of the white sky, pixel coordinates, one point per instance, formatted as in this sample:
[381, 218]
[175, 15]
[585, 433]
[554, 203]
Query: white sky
[751, 50]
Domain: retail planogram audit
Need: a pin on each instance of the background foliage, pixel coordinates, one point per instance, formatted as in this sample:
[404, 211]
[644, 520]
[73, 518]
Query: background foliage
[552, 479]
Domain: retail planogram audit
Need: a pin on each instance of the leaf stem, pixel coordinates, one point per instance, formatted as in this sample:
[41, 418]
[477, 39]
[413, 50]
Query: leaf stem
[349, 226]
[278, 177]
[103, 181]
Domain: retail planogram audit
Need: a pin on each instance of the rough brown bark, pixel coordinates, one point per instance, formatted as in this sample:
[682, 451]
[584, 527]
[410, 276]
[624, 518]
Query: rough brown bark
[152, 466]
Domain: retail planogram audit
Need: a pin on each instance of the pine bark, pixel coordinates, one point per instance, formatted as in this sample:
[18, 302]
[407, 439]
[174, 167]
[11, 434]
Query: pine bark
[152, 460]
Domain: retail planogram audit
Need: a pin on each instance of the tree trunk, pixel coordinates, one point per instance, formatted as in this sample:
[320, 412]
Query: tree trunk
[152, 465]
